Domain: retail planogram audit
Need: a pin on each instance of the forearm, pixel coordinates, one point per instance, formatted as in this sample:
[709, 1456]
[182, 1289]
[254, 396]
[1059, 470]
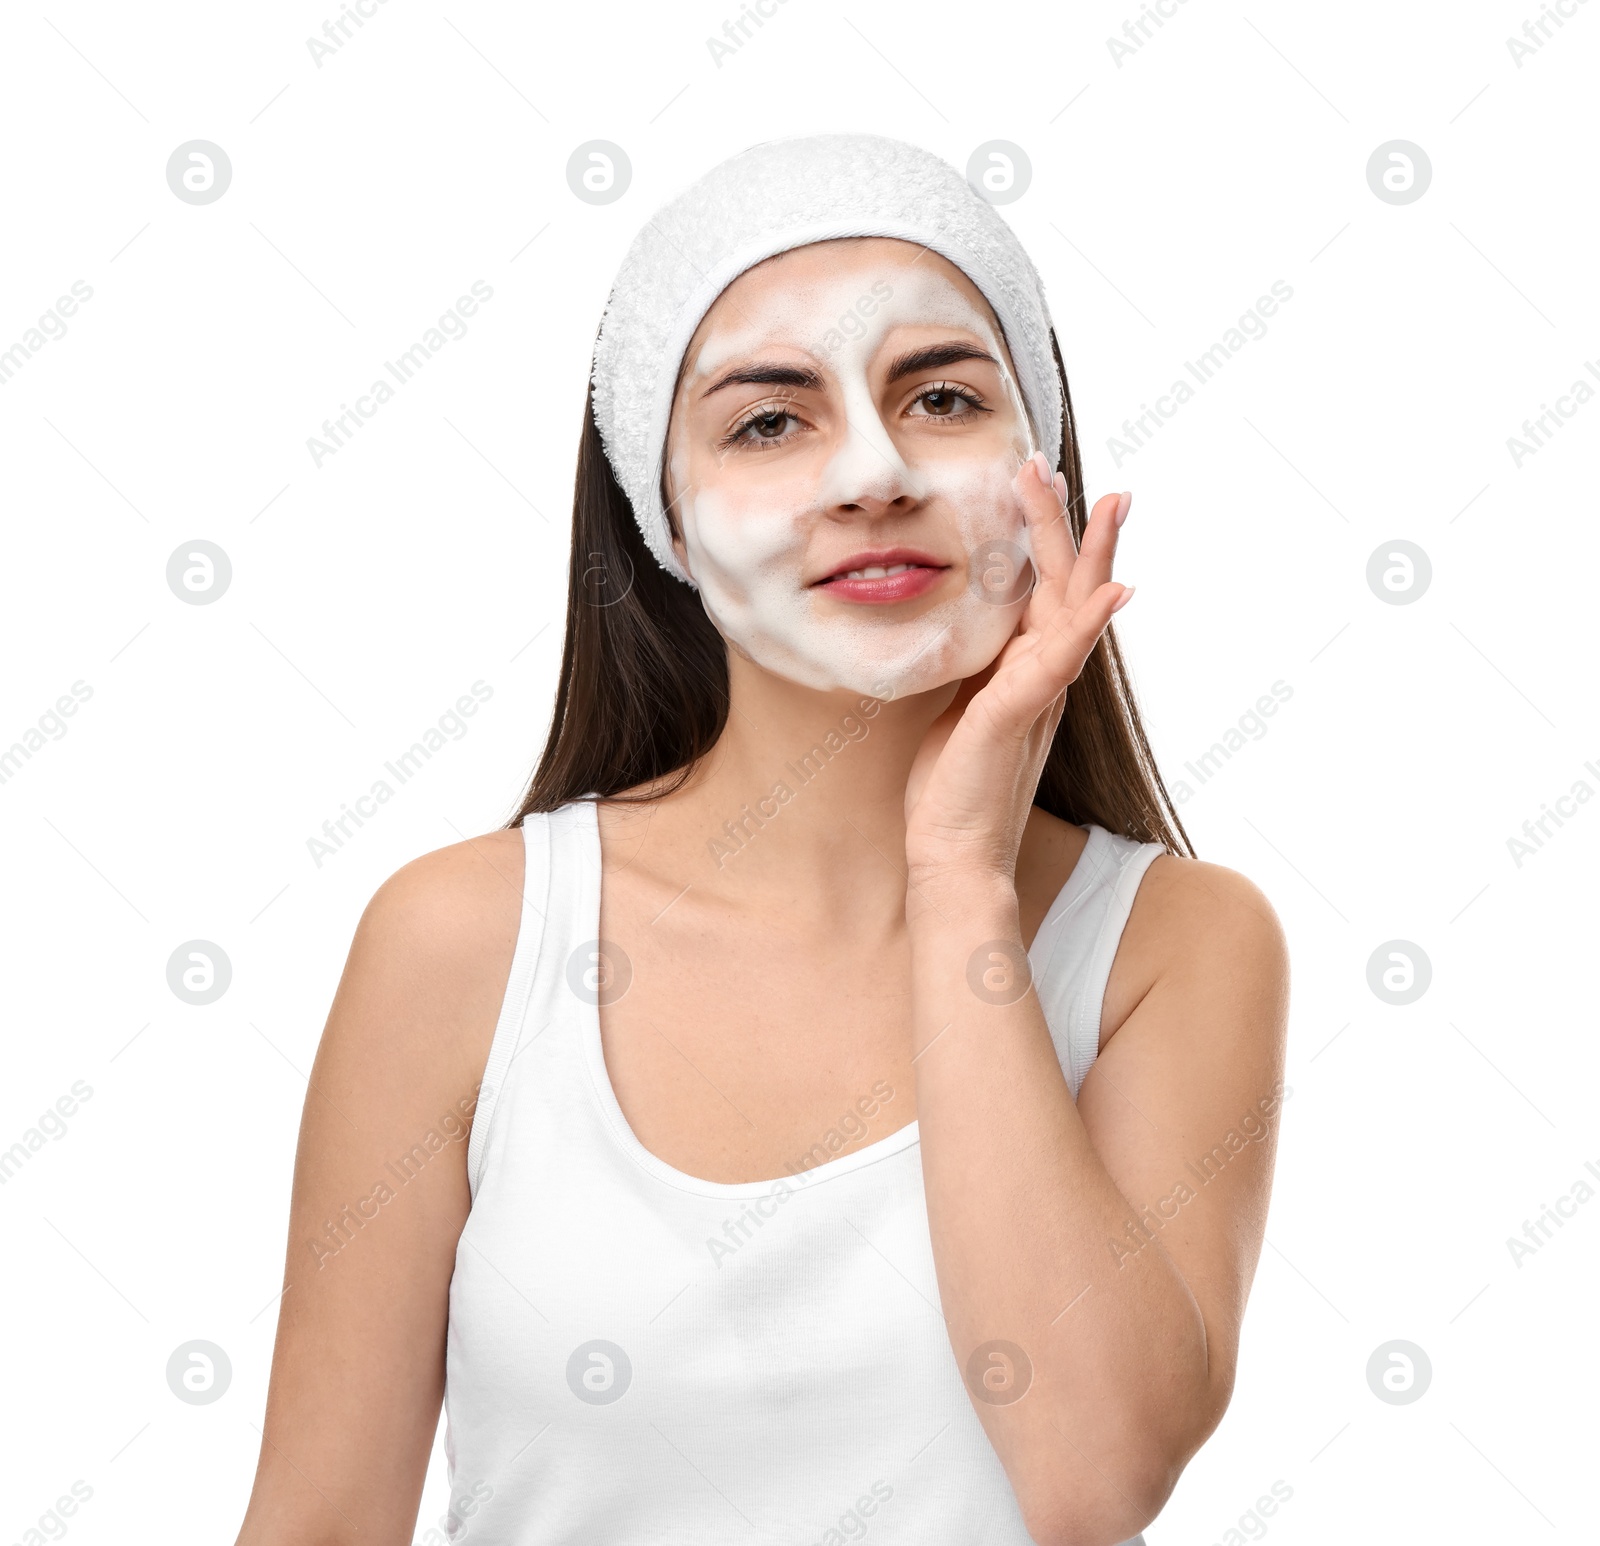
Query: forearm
[1116, 1390]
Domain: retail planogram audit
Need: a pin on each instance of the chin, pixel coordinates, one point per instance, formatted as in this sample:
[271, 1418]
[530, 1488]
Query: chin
[950, 650]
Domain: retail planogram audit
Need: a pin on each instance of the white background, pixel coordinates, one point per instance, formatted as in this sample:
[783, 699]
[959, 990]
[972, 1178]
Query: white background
[1167, 194]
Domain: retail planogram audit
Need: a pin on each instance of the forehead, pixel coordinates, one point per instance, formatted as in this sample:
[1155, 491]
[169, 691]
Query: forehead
[798, 298]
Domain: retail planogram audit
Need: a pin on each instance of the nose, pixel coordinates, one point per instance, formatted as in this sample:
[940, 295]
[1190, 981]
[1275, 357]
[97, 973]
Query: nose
[866, 473]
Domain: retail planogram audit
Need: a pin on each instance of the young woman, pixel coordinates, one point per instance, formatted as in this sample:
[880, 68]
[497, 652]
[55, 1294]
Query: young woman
[838, 1103]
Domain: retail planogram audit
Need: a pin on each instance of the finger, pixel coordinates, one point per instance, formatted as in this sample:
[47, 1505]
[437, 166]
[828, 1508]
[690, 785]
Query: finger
[1066, 641]
[1060, 485]
[1015, 700]
[1065, 645]
[1049, 534]
[1099, 547]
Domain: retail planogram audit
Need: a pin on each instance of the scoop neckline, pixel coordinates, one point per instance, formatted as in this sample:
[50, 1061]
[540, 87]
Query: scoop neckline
[890, 1144]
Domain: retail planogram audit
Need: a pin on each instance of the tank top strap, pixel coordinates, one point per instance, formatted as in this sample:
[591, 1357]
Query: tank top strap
[1072, 953]
[559, 895]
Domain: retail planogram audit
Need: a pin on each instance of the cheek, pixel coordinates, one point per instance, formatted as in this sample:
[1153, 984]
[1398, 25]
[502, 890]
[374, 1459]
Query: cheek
[980, 496]
[744, 535]
[678, 476]
[1022, 431]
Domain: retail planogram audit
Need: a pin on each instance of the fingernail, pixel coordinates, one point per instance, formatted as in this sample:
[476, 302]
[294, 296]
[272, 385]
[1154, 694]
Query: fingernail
[1041, 466]
[1124, 598]
[1060, 486]
[1124, 500]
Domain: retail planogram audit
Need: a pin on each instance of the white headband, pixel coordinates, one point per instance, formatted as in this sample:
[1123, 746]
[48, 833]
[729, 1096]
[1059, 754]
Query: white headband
[766, 200]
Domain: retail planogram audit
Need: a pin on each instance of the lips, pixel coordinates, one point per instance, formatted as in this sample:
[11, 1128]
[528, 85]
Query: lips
[883, 575]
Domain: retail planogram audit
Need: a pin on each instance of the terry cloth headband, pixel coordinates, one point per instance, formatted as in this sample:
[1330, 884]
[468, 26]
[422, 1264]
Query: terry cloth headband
[775, 196]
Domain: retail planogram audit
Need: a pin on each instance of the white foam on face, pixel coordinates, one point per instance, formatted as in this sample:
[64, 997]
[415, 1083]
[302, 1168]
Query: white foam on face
[749, 532]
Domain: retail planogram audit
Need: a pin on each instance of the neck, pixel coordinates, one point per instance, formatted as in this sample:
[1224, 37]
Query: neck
[802, 799]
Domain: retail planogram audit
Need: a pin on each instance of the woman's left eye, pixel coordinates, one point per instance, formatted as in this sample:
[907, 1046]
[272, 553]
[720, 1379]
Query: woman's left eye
[946, 402]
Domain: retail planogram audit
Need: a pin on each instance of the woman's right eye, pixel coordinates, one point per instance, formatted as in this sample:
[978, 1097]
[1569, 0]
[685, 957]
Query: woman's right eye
[762, 427]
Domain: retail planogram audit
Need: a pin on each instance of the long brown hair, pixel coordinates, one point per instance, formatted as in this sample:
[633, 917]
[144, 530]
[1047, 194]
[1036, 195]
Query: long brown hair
[643, 693]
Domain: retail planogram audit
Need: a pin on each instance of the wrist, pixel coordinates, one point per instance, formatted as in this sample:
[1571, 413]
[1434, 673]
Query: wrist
[961, 903]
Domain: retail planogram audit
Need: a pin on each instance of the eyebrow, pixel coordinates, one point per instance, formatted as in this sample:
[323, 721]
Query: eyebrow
[911, 363]
[767, 375]
[934, 357]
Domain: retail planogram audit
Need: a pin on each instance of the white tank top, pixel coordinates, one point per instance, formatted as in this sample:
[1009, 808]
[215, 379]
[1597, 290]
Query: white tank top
[636, 1355]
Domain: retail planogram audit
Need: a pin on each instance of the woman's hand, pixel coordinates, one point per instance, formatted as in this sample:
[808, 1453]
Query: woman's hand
[974, 777]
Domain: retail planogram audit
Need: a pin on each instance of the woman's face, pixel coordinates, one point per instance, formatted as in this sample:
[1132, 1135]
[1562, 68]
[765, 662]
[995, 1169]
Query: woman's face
[840, 459]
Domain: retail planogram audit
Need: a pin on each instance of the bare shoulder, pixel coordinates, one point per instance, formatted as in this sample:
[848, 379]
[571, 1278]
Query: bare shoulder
[433, 951]
[445, 902]
[1204, 927]
[1192, 909]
